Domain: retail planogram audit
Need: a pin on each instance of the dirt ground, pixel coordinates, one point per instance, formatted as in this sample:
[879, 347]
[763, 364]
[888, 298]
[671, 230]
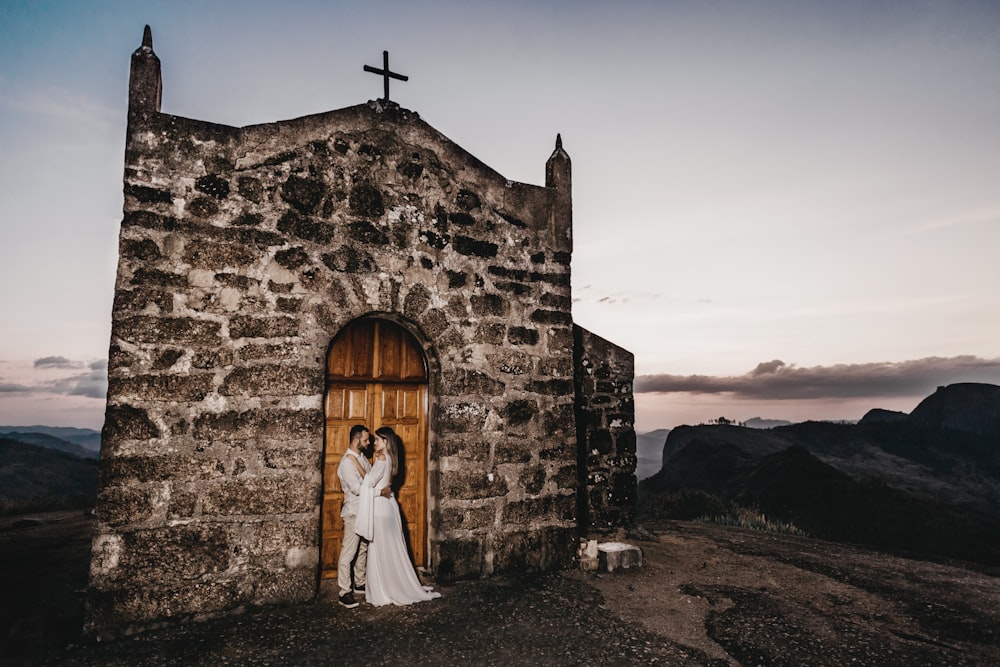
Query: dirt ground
[705, 595]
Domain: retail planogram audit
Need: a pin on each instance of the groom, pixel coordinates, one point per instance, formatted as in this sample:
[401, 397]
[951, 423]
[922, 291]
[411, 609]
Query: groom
[352, 469]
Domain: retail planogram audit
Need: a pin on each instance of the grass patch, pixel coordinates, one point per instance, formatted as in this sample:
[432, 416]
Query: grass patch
[754, 519]
[705, 507]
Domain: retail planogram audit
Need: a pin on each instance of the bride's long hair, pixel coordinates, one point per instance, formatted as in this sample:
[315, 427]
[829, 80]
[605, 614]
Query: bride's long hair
[392, 446]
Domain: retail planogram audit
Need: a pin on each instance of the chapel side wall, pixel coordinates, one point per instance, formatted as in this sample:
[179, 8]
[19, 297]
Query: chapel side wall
[606, 438]
[209, 480]
[242, 253]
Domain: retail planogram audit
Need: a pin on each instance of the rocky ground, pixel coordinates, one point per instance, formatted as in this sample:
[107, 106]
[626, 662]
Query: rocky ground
[706, 595]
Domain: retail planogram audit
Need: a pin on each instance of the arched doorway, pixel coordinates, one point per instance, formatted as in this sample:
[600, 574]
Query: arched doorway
[376, 374]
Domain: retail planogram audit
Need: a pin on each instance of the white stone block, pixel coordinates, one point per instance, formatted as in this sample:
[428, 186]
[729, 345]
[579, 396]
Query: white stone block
[618, 555]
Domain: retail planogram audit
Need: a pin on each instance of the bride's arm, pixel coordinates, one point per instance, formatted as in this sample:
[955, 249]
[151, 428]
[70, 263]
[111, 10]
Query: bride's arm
[382, 477]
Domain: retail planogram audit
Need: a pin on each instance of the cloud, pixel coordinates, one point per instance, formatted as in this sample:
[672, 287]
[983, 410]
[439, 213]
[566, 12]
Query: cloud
[57, 362]
[776, 380]
[12, 388]
[92, 383]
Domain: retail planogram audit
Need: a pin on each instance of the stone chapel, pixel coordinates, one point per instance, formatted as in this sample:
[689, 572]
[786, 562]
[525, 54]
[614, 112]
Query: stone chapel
[278, 283]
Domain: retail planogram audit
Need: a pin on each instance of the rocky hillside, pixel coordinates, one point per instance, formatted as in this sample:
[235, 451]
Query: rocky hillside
[34, 478]
[967, 407]
[927, 483]
[83, 442]
[52, 442]
[649, 452]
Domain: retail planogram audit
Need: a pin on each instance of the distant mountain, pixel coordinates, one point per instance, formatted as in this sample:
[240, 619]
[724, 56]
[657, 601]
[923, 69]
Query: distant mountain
[927, 482]
[85, 437]
[757, 422]
[649, 452]
[34, 479]
[968, 407]
[51, 442]
[880, 415]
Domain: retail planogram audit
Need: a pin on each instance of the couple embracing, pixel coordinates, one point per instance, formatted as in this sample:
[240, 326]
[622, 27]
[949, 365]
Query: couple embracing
[373, 531]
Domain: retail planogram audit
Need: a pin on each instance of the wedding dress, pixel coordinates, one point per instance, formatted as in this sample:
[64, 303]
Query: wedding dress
[391, 577]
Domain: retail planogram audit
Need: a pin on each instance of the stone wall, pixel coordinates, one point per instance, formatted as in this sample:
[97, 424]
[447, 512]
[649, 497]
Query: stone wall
[243, 251]
[606, 433]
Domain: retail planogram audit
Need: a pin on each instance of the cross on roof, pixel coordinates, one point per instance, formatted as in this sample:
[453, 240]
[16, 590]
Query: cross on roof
[386, 74]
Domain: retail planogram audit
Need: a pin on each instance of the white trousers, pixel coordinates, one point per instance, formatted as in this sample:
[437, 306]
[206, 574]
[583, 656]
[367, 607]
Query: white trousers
[352, 544]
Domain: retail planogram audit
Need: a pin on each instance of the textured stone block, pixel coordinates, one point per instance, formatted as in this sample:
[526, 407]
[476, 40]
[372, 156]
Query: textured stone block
[522, 336]
[306, 229]
[154, 467]
[175, 330]
[463, 417]
[272, 380]
[468, 518]
[466, 381]
[215, 253]
[520, 412]
[162, 387]
[469, 246]
[249, 326]
[515, 450]
[262, 496]
[458, 559]
[174, 554]
[618, 556]
[547, 509]
[533, 550]
[125, 422]
[118, 505]
[305, 194]
[472, 485]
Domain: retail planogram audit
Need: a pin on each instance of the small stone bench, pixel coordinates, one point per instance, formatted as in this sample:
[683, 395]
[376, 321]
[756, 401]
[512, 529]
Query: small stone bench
[609, 556]
[618, 555]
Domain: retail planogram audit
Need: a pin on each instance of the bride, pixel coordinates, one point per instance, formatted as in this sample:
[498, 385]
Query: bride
[391, 578]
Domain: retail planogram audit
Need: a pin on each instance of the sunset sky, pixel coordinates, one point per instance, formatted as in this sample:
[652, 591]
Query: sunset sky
[784, 209]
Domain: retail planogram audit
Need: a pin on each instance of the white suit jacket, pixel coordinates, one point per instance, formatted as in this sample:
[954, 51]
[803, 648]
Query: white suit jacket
[350, 481]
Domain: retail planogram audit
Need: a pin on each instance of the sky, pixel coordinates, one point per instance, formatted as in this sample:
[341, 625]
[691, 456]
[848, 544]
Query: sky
[787, 210]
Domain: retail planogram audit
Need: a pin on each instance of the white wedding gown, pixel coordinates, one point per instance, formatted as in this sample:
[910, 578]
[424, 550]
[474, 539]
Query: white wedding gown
[391, 577]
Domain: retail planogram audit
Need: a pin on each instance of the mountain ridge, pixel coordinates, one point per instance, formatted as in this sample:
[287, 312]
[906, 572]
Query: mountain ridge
[34, 478]
[928, 482]
[51, 442]
[87, 438]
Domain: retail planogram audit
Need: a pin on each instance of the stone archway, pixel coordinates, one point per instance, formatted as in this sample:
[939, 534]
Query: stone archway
[376, 374]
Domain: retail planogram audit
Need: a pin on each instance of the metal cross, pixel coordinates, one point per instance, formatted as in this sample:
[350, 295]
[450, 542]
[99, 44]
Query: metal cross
[386, 74]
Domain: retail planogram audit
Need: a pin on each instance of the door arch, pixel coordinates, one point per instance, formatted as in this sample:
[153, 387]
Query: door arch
[376, 374]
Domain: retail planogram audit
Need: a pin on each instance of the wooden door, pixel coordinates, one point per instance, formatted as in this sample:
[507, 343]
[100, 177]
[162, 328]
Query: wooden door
[376, 375]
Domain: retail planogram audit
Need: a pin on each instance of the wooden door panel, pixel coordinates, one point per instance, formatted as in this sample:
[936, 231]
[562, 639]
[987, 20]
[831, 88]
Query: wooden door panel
[388, 400]
[390, 354]
[358, 404]
[362, 349]
[335, 402]
[413, 404]
[400, 358]
[351, 355]
[402, 403]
